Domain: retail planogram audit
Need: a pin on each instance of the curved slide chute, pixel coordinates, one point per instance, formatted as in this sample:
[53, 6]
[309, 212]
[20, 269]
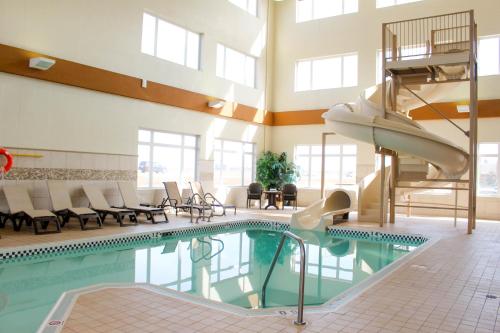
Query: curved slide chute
[321, 213]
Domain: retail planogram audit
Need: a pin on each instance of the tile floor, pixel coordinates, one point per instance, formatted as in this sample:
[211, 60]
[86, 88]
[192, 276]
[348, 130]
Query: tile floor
[443, 289]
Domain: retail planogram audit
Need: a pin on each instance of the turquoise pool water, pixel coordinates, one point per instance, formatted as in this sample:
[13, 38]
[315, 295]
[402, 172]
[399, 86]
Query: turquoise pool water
[228, 266]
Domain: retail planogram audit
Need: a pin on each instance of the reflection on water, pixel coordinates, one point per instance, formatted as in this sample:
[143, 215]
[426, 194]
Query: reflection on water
[229, 267]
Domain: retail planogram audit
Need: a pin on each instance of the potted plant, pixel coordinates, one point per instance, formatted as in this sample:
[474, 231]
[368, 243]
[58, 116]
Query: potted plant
[274, 170]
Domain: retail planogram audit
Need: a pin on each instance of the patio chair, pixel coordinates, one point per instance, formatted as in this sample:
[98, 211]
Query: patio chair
[22, 210]
[195, 203]
[63, 208]
[289, 195]
[174, 198]
[130, 200]
[197, 189]
[254, 192]
[101, 206]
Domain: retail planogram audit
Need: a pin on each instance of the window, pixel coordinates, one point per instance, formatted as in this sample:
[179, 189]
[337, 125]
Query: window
[166, 156]
[340, 159]
[248, 5]
[235, 66]
[170, 42]
[307, 10]
[388, 3]
[488, 168]
[489, 56]
[234, 163]
[326, 73]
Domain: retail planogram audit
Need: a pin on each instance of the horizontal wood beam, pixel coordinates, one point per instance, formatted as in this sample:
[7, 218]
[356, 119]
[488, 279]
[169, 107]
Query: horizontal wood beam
[15, 61]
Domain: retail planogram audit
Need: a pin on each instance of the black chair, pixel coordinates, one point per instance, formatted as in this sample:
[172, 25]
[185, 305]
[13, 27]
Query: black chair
[289, 195]
[254, 192]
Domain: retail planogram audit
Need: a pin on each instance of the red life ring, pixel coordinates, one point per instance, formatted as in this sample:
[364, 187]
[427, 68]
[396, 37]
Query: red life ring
[6, 160]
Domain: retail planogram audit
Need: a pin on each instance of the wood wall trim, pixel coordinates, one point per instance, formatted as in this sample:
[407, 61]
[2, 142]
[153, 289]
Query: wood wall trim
[302, 117]
[15, 61]
[487, 108]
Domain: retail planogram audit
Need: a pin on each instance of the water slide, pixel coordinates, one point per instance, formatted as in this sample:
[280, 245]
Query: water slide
[365, 121]
[321, 213]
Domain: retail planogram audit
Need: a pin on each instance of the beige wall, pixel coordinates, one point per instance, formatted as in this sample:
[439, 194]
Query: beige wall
[359, 32]
[107, 34]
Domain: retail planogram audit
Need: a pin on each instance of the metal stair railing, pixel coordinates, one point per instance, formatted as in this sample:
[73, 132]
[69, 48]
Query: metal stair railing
[300, 305]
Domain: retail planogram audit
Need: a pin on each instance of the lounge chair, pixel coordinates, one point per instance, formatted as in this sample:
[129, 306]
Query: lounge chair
[195, 203]
[197, 189]
[129, 196]
[22, 210]
[101, 206]
[174, 198]
[63, 208]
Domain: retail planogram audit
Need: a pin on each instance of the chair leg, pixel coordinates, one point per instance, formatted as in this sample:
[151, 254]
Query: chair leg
[82, 223]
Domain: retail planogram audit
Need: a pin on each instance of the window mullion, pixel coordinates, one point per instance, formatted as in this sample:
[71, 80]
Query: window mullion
[151, 148]
[311, 79]
[186, 34]
[156, 37]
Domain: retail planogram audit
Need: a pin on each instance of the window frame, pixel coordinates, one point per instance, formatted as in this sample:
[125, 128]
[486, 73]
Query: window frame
[243, 154]
[395, 3]
[186, 36]
[223, 70]
[152, 144]
[497, 37]
[311, 14]
[311, 76]
[341, 156]
[247, 7]
[497, 155]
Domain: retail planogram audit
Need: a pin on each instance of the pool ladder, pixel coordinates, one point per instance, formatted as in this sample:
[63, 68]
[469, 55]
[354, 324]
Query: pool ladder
[300, 305]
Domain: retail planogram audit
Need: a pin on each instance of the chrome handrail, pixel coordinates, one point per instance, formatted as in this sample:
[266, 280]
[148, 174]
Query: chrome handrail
[300, 305]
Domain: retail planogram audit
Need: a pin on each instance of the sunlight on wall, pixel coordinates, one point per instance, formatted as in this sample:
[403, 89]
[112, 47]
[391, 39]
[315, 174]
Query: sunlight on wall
[215, 129]
[249, 133]
[259, 43]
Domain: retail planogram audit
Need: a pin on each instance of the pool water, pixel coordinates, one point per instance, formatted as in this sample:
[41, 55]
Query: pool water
[229, 266]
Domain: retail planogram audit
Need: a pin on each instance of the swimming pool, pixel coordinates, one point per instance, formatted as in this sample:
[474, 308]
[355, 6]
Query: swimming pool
[225, 264]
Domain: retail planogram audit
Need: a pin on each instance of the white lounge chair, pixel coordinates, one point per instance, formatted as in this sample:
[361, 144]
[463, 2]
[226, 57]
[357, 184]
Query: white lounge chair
[101, 206]
[130, 200]
[63, 208]
[195, 203]
[22, 210]
[197, 189]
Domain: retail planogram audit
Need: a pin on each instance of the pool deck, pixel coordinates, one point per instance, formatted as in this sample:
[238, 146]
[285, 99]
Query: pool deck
[443, 289]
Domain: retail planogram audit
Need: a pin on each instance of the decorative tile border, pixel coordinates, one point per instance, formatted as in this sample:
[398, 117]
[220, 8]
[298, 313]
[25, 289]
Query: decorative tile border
[70, 174]
[377, 236]
[116, 242]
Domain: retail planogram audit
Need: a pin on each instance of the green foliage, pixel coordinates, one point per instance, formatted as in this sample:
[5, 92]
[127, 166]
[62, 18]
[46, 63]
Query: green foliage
[274, 170]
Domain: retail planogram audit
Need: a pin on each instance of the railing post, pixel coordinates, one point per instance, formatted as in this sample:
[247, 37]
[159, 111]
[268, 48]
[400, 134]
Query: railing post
[300, 305]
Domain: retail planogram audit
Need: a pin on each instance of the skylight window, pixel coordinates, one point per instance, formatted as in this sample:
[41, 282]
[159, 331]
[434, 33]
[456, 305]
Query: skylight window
[489, 56]
[389, 3]
[307, 10]
[170, 42]
[249, 6]
[326, 73]
[235, 66]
